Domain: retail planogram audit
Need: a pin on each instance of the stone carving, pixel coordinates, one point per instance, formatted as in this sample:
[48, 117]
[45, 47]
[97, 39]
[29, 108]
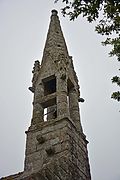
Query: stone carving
[50, 150]
[40, 139]
[36, 70]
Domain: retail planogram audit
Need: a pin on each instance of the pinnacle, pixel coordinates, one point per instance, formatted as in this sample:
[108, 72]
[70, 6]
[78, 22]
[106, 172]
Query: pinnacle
[55, 42]
[54, 12]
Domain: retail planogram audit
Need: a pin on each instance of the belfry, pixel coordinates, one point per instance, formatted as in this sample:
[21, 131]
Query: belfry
[56, 147]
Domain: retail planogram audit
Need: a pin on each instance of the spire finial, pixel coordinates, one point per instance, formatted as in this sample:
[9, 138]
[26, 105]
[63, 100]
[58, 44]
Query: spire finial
[54, 12]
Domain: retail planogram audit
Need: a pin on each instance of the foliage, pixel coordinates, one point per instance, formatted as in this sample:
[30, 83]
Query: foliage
[116, 96]
[116, 79]
[107, 12]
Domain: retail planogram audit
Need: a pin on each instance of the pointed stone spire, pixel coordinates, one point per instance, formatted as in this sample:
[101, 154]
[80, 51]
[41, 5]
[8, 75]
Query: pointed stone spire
[55, 42]
[57, 66]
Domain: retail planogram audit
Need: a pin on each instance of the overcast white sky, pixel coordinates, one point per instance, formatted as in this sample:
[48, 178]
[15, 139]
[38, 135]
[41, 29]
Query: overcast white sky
[23, 29]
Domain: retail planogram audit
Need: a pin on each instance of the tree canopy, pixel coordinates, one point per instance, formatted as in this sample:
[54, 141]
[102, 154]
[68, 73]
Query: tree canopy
[107, 14]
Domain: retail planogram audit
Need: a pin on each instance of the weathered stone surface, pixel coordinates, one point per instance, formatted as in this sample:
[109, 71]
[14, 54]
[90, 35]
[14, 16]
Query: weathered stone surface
[56, 148]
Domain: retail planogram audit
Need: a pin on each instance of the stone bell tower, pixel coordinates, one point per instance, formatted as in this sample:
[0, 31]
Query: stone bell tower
[56, 147]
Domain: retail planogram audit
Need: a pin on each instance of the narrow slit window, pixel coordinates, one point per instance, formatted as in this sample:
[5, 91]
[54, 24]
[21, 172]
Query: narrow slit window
[70, 86]
[68, 100]
[45, 114]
